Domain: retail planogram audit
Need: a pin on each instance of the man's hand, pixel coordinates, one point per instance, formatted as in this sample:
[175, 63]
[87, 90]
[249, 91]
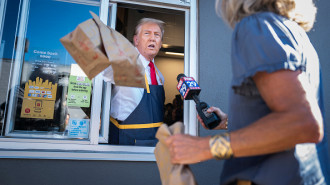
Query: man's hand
[186, 149]
[223, 116]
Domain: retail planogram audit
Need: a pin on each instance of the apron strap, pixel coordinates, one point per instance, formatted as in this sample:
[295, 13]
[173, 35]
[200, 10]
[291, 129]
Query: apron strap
[161, 81]
[135, 126]
[146, 81]
[147, 85]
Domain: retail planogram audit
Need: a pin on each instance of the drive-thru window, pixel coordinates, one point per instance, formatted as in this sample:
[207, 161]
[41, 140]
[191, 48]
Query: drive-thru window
[49, 108]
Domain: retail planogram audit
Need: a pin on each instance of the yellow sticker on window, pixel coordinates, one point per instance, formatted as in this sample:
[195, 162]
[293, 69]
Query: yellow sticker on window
[39, 99]
[34, 108]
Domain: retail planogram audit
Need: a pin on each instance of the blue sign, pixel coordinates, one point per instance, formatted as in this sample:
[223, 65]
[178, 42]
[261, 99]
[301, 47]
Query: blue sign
[78, 128]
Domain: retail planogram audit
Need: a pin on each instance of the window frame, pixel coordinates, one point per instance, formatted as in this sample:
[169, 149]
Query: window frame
[90, 149]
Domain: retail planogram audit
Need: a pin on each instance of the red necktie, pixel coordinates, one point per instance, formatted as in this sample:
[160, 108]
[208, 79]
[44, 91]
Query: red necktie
[153, 73]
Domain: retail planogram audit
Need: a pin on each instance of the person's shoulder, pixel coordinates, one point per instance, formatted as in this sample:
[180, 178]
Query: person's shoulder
[261, 18]
[261, 24]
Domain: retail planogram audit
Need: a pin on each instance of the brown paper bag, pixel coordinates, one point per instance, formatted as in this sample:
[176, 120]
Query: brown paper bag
[171, 174]
[95, 46]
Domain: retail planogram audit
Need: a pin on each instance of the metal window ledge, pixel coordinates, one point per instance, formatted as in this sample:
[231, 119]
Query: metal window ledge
[73, 151]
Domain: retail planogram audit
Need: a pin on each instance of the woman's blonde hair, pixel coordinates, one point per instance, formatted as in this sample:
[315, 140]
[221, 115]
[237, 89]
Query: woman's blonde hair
[301, 11]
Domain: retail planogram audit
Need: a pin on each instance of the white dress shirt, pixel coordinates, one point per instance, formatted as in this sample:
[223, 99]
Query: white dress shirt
[125, 99]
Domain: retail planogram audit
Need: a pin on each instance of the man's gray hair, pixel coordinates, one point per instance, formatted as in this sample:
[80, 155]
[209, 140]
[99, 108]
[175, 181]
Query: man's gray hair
[143, 21]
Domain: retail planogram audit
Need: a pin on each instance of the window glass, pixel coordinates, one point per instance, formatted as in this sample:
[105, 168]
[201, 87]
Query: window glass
[53, 96]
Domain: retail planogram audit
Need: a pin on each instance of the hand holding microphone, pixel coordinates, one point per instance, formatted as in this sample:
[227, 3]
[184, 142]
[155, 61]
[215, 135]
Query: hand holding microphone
[223, 116]
[190, 90]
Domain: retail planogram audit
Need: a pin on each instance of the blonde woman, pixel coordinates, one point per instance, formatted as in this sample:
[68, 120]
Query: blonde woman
[274, 119]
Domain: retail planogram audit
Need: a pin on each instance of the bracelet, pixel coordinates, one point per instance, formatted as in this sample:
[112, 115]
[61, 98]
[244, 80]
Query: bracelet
[220, 146]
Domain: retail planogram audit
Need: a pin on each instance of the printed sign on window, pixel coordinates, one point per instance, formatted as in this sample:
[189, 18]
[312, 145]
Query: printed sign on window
[78, 128]
[79, 91]
[39, 99]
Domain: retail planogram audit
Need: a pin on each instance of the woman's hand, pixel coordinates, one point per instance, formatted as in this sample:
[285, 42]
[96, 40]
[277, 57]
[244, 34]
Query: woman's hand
[186, 149]
[223, 116]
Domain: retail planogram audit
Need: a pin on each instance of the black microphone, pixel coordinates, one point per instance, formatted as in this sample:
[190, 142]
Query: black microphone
[189, 90]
